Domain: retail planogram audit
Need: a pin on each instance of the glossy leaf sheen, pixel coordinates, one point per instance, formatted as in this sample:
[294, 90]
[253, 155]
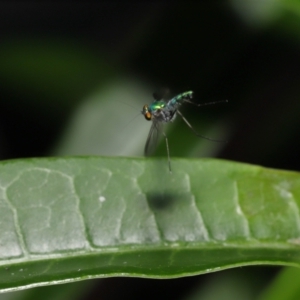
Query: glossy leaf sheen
[66, 219]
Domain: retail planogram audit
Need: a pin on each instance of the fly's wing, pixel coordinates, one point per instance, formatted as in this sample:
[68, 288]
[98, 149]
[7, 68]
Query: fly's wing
[162, 93]
[152, 138]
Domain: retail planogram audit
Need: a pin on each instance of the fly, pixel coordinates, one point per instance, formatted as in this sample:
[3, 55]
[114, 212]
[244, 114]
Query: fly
[161, 111]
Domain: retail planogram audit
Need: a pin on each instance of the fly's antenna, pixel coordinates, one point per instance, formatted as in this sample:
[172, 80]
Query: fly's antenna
[134, 116]
[195, 132]
[129, 105]
[131, 120]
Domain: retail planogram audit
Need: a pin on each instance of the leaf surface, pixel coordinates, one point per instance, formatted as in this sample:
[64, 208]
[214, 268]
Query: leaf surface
[73, 218]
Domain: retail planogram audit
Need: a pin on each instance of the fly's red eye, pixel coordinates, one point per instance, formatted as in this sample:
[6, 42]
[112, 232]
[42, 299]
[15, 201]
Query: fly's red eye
[148, 116]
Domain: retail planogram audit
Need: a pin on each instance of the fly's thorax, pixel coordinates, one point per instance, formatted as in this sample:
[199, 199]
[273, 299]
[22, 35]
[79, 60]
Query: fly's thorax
[157, 106]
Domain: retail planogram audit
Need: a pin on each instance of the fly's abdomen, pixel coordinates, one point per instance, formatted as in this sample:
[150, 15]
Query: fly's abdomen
[175, 102]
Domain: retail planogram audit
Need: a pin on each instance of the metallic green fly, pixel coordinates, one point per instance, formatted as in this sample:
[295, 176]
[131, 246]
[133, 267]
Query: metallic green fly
[161, 111]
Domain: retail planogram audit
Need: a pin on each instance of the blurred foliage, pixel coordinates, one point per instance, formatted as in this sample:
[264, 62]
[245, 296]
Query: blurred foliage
[53, 57]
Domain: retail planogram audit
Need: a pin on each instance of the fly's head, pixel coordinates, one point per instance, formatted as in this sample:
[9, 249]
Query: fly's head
[146, 112]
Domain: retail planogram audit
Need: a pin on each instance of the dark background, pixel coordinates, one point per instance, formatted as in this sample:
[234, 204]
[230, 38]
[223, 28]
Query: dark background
[53, 55]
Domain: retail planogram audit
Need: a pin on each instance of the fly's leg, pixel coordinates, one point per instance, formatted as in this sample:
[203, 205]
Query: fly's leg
[168, 151]
[204, 104]
[195, 132]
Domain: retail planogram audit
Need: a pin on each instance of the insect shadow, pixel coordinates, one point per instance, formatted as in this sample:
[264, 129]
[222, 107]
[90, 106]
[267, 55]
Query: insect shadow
[161, 201]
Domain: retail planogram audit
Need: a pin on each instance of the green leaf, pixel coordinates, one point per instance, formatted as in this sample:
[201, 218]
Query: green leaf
[68, 219]
[285, 286]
